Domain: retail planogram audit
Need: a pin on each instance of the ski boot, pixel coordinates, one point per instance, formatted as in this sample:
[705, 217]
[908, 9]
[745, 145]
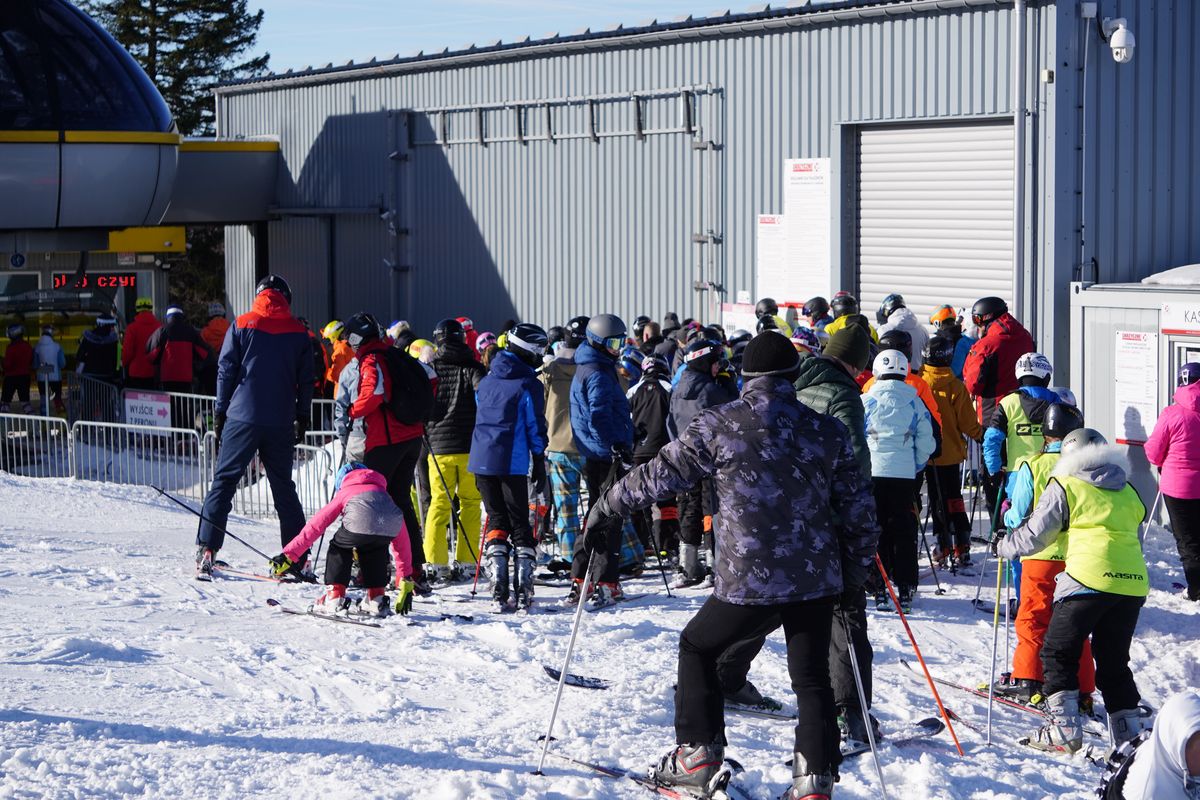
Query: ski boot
[496, 553]
[1127, 725]
[808, 785]
[963, 554]
[906, 595]
[377, 606]
[882, 601]
[462, 571]
[1063, 732]
[1023, 690]
[606, 594]
[421, 587]
[943, 557]
[853, 729]
[697, 768]
[572, 598]
[204, 564]
[331, 604]
[690, 571]
[750, 697]
[438, 575]
[523, 577]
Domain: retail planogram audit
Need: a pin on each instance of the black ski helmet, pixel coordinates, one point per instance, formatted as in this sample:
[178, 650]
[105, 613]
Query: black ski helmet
[449, 330]
[1081, 438]
[555, 334]
[1060, 420]
[843, 303]
[766, 323]
[639, 325]
[576, 332]
[360, 328]
[987, 309]
[278, 284]
[816, 308]
[606, 333]
[527, 342]
[897, 340]
[739, 336]
[702, 354]
[938, 352]
[888, 307]
[766, 307]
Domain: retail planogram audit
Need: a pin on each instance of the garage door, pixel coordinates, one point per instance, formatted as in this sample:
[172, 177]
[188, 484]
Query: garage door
[935, 214]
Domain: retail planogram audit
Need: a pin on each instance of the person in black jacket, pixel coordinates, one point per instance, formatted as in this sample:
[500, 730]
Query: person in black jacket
[97, 356]
[705, 383]
[650, 404]
[449, 432]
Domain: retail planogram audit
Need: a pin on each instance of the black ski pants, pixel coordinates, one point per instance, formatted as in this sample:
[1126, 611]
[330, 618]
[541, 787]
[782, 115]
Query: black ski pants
[373, 552]
[950, 523]
[733, 665]
[398, 463]
[691, 515]
[1110, 619]
[16, 386]
[1185, 524]
[700, 704]
[605, 564]
[898, 528]
[506, 499]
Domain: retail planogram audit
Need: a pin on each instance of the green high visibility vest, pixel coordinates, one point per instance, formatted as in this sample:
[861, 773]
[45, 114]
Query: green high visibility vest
[1023, 439]
[1102, 548]
[1041, 467]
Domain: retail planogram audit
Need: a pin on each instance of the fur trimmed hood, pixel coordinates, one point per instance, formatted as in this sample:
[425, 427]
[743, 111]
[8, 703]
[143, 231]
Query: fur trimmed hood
[1104, 466]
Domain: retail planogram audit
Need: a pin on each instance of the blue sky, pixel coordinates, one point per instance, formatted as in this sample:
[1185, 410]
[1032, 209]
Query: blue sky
[298, 33]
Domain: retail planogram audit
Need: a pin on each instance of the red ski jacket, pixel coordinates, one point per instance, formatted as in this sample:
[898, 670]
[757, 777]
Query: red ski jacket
[173, 349]
[135, 355]
[374, 387]
[990, 369]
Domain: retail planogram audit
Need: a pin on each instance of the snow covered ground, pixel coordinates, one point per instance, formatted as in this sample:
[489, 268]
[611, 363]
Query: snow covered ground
[122, 676]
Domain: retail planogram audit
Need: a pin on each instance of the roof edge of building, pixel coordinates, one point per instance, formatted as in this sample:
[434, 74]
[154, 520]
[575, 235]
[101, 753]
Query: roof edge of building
[766, 20]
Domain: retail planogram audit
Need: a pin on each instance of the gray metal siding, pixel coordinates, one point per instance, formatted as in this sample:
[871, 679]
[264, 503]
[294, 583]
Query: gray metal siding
[548, 230]
[239, 269]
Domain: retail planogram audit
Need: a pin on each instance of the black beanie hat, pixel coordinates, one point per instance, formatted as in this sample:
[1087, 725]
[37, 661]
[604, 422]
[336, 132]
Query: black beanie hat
[851, 344]
[769, 353]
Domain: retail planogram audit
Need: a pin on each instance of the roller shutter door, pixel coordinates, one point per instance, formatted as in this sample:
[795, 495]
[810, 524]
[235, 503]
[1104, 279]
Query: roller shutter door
[935, 214]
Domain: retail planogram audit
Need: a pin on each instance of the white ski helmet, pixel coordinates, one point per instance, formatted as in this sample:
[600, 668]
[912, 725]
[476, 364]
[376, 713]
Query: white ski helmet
[1034, 365]
[890, 362]
[1081, 438]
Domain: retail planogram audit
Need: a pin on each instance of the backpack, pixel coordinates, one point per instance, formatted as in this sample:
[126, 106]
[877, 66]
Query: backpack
[411, 398]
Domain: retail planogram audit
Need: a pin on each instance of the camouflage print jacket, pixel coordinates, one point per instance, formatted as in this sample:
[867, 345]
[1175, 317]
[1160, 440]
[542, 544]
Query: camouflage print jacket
[783, 474]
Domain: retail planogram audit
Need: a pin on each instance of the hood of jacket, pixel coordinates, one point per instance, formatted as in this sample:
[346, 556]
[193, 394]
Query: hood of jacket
[586, 354]
[508, 367]
[1188, 397]
[271, 303]
[816, 370]
[902, 319]
[1104, 466]
[364, 478]
[1159, 768]
[456, 353]
[1002, 326]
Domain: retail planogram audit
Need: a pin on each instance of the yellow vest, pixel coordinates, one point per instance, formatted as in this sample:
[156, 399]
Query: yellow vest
[1023, 439]
[1102, 548]
[1041, 467]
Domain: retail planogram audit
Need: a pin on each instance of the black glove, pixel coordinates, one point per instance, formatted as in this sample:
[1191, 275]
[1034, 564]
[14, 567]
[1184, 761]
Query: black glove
[218, 427]
[994, 482]
[281, 565]
[300, 427]
[595, 528]
[538, 471]
[623, 453]
[854, 577]
[1000, 534]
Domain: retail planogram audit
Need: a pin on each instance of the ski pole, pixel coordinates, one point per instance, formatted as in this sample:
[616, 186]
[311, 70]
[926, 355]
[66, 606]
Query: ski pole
[478, 563]
[562, 677]
[1145, 529]
[991, 538]
[454, 518]
[916, 649]
[995, 637]
[925, 540]
[1010, 575]
[862, 699]
[203, 518]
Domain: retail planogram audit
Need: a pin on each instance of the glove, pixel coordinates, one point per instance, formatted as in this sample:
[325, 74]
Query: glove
[1000, 534]
[218, 427]
[596, 526]
[538, 471]
[281, 565]
[404, 597]
[854, 577]
[623, 453]
[300, 427]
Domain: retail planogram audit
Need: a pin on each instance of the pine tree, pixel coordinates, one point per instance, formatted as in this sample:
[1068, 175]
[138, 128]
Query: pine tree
[186, 46]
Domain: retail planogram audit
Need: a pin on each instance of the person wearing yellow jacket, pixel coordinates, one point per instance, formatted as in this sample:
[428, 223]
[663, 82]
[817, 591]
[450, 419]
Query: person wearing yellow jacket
[944, 473]
[845, 310]
[1089, 508]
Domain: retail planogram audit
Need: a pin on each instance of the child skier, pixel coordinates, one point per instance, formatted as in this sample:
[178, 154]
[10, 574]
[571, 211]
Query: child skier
[510, 438]
[1039, 571]
[371, 525]
[943, 475]
[900, 437]
[1090, 507]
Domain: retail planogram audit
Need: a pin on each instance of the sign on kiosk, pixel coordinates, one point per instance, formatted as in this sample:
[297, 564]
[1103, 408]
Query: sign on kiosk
[148, 408]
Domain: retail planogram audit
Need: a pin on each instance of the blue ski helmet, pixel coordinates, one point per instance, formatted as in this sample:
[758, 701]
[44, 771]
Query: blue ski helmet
[346, 469]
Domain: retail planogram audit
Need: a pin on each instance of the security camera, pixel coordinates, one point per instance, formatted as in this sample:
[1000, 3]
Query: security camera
[1119, 39]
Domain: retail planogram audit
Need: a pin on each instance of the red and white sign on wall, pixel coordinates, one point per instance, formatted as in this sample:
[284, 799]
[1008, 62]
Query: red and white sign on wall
[1135, 386]
[148, 408]
[1180, 319]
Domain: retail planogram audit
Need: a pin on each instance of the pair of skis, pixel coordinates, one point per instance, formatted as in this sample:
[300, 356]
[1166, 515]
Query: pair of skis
[413, 619]
[723, 788]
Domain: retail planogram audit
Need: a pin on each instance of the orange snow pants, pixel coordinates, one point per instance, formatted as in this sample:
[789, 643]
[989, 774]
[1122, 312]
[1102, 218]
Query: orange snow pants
[1033, 617]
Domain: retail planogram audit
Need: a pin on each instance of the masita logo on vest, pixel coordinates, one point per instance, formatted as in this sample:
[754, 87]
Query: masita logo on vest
[1125, 576]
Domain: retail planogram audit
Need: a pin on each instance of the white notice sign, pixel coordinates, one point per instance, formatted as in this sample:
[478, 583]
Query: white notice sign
[148, 408]
[738, 316]
[808, 212]
[771, 247]
[1135, 386]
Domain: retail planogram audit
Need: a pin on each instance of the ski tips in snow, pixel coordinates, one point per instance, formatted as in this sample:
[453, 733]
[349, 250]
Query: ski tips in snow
[582, 681]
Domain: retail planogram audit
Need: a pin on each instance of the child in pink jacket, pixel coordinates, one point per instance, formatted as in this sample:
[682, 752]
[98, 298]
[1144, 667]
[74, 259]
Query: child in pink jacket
[1174, 448]
[371, 525]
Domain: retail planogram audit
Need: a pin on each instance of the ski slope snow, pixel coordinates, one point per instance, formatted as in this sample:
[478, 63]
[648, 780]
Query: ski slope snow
[121, 676]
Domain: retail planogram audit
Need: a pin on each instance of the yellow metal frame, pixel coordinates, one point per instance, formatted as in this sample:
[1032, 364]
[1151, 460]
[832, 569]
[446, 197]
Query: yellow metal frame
[156, 239]
[227, 146]
[89, 137]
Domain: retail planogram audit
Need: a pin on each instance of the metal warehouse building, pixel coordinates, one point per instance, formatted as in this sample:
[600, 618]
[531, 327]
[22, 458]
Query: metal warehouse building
[626, 169]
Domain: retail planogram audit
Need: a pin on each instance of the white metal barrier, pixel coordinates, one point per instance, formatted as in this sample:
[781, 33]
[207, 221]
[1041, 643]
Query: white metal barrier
[322, 414]
[36, 447]
[92, 400]
[312, 473]
[139, 455]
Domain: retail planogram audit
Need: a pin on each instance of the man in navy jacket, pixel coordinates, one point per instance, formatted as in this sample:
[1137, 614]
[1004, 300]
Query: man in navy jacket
[264, 396]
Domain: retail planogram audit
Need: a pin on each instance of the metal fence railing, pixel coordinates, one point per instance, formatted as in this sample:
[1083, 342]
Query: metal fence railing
[93, 400]
[322, 415]
[139, 455]
[312, 474]
[36, 447]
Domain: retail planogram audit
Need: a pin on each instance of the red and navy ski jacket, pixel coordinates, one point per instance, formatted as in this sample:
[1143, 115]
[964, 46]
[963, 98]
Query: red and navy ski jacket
[265, 371]
[374, 390]
[174, 348]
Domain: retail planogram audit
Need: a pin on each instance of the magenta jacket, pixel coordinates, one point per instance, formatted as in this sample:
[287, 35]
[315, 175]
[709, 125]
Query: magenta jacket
[365, 508]
[1175, 445]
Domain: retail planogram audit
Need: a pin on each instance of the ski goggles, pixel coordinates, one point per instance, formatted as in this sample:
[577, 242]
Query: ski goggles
[613, 344]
